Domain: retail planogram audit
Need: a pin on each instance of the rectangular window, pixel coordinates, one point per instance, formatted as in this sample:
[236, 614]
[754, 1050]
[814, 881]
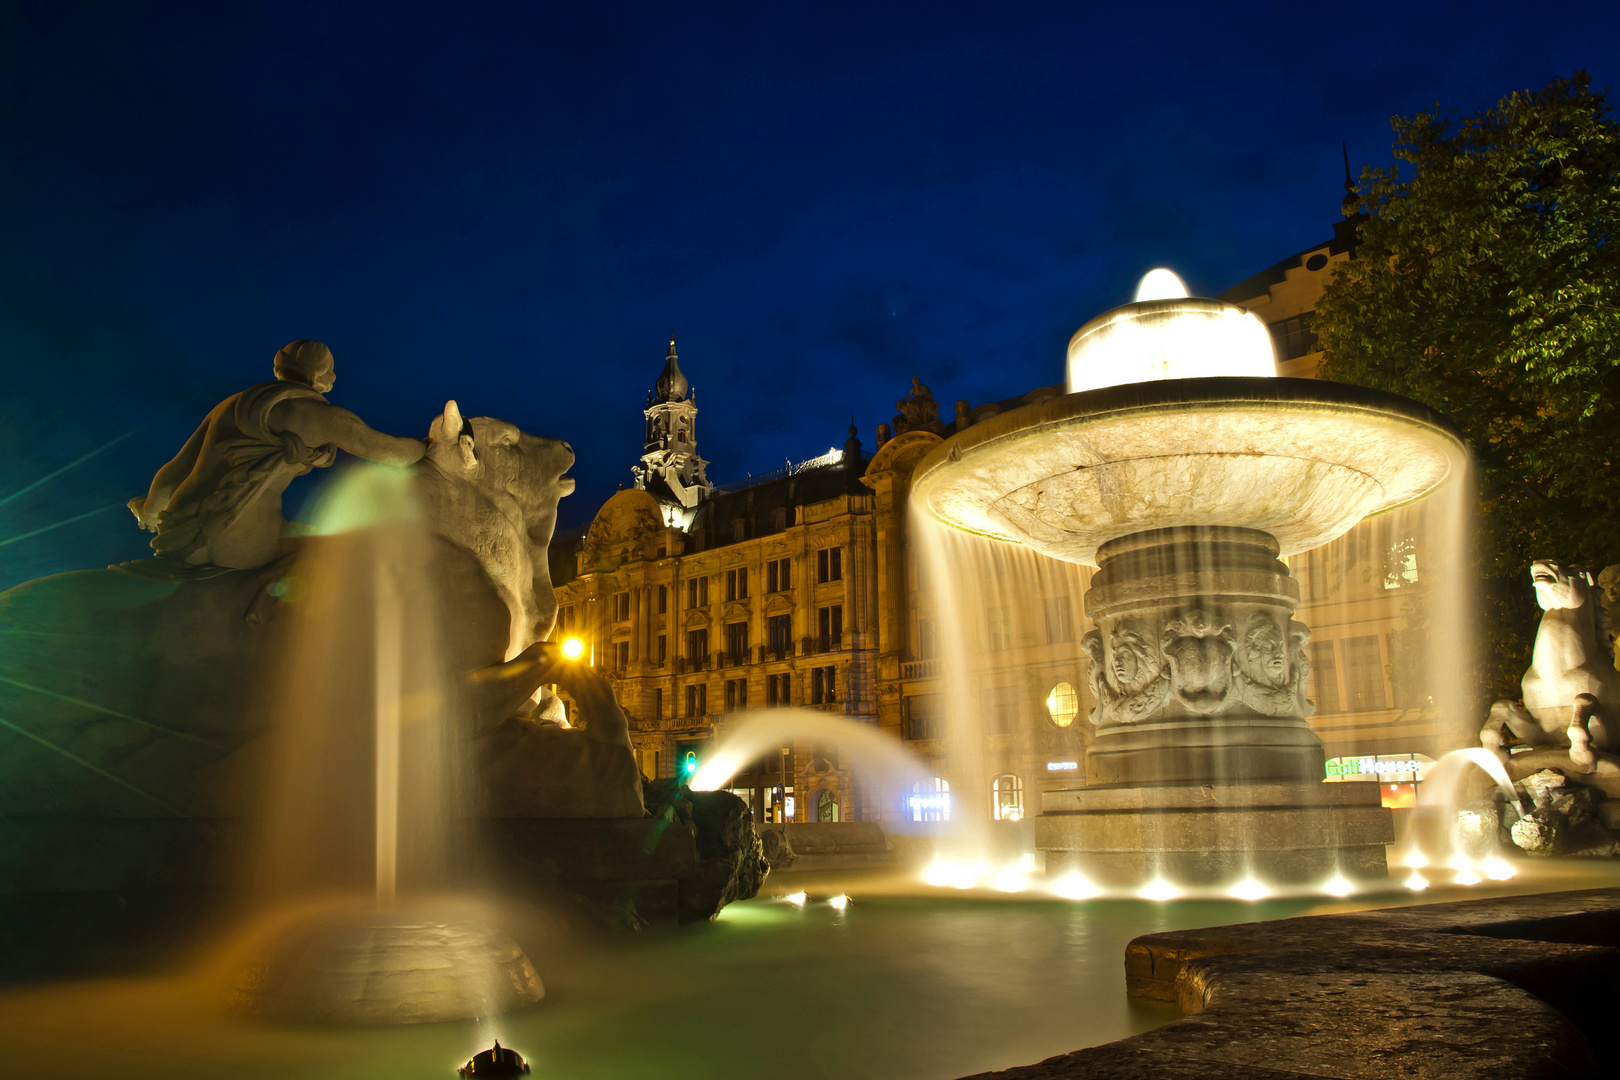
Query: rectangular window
[736, 694]
[737, 583]
[1293, 336]
[737, 643]
[823, 685]
[621, 655]
[778, 575]
[830, 564]
[658, 703]
[621, 606]
[566, 619]
[697, 648]
[1324, 688]
[830, 621]
[922, 717]
[1059, 620]
[998, 624]
[1318, 582]
[999, 706]
[697, 701]
[1364, 674]
[778, 691]
[927, 639]
[697, 592]
[663, 599]
[663, 649]
[781, 628]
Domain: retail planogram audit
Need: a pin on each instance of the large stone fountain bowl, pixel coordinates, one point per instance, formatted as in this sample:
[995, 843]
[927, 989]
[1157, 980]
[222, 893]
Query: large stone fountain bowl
[1301, 459]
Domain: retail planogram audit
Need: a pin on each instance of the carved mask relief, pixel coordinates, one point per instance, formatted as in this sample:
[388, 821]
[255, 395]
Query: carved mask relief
[1200, 655]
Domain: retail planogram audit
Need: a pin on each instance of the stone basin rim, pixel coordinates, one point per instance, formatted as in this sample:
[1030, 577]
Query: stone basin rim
[1212, 395]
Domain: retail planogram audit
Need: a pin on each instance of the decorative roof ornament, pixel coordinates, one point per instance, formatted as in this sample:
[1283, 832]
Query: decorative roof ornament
[672, 384]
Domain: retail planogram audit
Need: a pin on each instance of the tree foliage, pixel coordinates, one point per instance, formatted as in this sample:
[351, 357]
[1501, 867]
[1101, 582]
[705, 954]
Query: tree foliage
[1486, 284]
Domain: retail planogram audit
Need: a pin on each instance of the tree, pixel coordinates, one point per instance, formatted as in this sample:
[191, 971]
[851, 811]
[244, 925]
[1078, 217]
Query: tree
[1486, 284]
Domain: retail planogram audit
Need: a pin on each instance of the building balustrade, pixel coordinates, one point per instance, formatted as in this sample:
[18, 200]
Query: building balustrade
[775, 652]
[822, 643]
[919, 669]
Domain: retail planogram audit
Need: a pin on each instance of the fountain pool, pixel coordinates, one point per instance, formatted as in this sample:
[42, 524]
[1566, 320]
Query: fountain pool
[811, 990]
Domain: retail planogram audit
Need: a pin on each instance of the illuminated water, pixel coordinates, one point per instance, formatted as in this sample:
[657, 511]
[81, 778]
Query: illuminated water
[893, 986]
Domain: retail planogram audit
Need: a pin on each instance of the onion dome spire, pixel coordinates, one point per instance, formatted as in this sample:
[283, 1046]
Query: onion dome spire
[672, 384]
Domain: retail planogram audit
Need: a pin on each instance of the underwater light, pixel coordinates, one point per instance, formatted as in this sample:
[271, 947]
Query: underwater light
[1416, 882]
[1159, 889]
[796, 898]
[1339, 885]
[573, 648]
[1010, 881]
[1467, 877]
[1497, 869]
[939, 873]
[1074, 887]
[1416, 859]
[839, 902]
[1250, 888]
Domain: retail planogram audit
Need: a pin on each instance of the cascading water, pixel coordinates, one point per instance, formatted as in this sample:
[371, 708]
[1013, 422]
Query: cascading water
[1005, 628]
[369, 789]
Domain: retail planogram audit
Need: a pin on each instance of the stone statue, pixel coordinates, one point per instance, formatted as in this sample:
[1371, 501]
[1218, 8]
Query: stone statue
[1572, 690]
[918, 411]
[1609, 581]
[218, 503]
[151, 690]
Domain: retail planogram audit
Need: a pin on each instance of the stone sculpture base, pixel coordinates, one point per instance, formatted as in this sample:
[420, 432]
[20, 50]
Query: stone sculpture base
[1282, 834]
[415, 964]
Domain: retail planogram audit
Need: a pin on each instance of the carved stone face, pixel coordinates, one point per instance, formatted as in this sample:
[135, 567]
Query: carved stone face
[1133, 662]
[1263, 655]
[1559, 585]
[1609, 582]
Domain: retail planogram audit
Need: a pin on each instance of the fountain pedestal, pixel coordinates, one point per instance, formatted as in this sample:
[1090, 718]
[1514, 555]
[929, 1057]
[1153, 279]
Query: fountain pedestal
[1208, 834]
[1197, 666]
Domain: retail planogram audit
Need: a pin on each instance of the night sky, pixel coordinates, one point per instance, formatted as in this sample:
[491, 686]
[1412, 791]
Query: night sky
[519, 207]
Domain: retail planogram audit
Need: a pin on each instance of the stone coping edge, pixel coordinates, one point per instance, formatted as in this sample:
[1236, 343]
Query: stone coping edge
[1508, 987]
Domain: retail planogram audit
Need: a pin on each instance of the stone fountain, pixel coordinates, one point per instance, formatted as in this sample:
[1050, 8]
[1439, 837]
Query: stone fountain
[1182, 468]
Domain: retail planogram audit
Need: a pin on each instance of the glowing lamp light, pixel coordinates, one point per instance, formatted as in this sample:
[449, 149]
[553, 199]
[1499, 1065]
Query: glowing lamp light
[573, 648]
[1159, 889]
[797, 899]
[1250, 888]
[1497, 869]
[1467, 877]
[1416, 859]
[1166, 334]
[839, 902]
[1416, 882]
[939, 873]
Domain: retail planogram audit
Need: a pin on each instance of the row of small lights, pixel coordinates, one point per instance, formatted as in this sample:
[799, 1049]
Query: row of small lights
[1075, 886]
[1014, 878]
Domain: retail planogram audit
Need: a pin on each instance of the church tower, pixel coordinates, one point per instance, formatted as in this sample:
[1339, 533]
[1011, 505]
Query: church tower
[670, 467]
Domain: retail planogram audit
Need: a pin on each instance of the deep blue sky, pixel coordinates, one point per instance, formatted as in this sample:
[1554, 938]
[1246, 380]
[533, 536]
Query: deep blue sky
[519, 207]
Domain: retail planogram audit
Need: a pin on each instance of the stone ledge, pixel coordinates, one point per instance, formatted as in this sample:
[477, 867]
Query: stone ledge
[1511, 987]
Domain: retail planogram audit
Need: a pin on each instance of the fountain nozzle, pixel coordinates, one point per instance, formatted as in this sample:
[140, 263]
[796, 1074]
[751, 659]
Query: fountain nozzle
[497, 1062]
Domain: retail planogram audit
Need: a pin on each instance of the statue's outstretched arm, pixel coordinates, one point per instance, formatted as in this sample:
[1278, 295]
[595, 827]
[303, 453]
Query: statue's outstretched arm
[319, 423]
[169, 478]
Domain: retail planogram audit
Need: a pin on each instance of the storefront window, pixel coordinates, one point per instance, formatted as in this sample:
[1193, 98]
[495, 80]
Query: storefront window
[930, 800]
[1008, 798]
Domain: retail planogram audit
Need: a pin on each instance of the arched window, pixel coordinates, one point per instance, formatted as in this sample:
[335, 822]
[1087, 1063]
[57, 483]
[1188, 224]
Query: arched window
[779, 518]
[1007, 798]
[826, 806]
[930, 800]
[1062, 704]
